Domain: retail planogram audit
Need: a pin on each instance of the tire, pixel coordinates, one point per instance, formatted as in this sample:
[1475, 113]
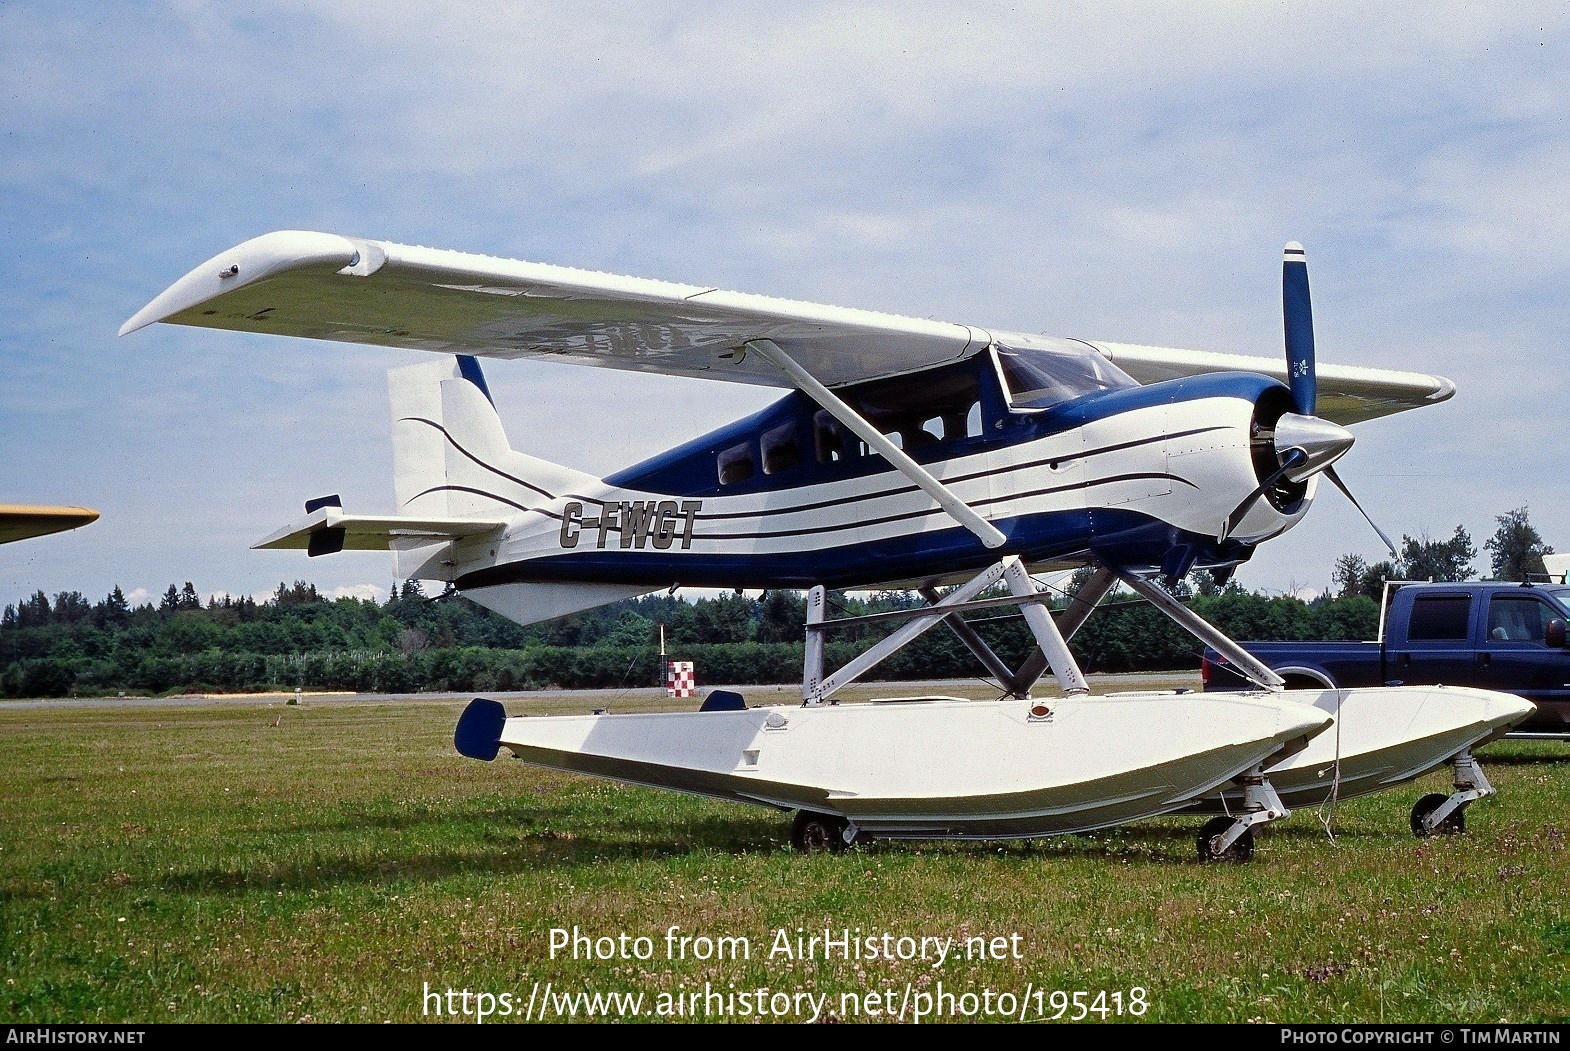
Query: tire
[813, 833]
[1453, 825]
[1241, 850]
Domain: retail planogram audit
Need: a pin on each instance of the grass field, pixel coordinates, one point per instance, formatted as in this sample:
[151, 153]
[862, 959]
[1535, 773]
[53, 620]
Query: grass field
[336, 861]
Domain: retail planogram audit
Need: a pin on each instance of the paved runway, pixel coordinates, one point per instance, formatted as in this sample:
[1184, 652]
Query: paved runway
[1099, 684]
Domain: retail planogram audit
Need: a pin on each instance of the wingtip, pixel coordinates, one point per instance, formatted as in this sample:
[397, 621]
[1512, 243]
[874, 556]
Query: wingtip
[136, 321]
[242, 265]
[1294, 252]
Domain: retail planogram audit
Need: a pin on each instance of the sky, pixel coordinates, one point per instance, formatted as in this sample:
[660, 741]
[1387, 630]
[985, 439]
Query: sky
[1122, 172]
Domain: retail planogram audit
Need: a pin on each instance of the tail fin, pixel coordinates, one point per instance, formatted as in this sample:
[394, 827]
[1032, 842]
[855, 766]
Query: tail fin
[450, 455]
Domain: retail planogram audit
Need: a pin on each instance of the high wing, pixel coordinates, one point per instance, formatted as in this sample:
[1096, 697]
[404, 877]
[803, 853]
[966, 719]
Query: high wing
[323, 286]
[21, 522]
[1347, 393]
[326, 286]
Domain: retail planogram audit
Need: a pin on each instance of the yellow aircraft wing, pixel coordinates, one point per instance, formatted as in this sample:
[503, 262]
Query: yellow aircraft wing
[20, 521]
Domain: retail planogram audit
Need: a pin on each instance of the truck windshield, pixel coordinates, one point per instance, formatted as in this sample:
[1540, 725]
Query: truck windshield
[1560, 597]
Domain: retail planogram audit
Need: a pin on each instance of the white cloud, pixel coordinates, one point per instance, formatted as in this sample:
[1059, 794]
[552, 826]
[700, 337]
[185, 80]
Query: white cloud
[363, 592]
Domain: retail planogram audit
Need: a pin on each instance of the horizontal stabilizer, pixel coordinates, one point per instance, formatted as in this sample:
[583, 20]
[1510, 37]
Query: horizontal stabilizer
[341, 532]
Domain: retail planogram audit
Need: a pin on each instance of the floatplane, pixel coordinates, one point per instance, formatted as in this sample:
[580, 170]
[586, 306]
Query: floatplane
[952, 460]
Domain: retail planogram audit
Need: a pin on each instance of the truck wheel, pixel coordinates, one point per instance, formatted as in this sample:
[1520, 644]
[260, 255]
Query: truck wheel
[812, 833]
[1450, 826]
[1241, 850]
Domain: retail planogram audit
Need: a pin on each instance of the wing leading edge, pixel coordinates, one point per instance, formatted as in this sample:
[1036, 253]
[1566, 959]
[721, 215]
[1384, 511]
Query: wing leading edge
[24, 521]
[1347, 393]
[326, 286]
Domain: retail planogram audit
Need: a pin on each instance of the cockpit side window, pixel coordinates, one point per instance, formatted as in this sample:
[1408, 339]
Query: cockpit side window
[915, 412]
[1048, 372]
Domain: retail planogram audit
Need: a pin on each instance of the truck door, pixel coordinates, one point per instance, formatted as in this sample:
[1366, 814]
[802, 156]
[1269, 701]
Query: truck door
[1513, 658]
[1438, 644]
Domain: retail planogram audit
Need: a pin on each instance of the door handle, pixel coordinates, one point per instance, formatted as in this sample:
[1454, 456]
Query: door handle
[1485, 659]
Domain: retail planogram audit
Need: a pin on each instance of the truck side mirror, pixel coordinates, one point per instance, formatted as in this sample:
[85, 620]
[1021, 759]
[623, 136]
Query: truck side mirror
[1554, 634]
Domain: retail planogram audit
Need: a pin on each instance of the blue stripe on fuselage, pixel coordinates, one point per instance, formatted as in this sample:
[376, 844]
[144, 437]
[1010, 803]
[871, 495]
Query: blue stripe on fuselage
[1124, 538]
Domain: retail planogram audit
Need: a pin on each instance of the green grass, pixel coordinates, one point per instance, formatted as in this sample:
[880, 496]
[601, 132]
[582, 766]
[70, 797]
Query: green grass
[266, 862]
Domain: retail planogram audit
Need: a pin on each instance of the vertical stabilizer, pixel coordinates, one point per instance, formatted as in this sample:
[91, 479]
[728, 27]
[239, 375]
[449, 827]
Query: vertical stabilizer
[419, 456]
[451, 457]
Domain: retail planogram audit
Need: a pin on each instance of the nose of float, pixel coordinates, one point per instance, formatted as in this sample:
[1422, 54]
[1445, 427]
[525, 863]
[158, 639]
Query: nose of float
[1321, 442]
[1504, 710]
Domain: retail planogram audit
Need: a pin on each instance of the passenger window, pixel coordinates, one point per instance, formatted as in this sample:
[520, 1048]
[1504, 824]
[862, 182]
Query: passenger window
[944, 407]
[736, 464]
[831, 439]
[1440, 618]
[962, 423]
[919, 437]
[780, 450]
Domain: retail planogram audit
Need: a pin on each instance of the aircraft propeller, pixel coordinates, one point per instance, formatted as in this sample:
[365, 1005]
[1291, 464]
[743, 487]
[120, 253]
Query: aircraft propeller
[1304, 444]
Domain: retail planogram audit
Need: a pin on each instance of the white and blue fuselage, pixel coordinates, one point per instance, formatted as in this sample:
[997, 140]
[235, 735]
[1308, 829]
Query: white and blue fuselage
[1140, 477]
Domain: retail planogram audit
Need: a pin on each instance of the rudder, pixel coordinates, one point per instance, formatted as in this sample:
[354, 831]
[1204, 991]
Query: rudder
[451, 456]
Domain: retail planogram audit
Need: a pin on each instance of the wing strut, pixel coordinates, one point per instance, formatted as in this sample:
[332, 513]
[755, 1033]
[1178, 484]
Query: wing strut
[1206, 632]
[960, 511]
[1080, 607]
[817, 688]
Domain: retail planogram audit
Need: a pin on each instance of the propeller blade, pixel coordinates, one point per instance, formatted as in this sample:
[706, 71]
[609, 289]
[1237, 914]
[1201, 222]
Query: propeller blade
[1330, 473]
[1293, 459]
[1298, 320]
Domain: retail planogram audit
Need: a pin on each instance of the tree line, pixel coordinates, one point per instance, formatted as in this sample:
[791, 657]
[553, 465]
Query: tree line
[1515, 553]
[413, 642]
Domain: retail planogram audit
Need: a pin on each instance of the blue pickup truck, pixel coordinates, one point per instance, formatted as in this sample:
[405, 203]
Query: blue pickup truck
[1495, 636]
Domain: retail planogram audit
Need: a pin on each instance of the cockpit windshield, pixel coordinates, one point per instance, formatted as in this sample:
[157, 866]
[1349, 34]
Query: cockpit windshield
[1043, 372]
